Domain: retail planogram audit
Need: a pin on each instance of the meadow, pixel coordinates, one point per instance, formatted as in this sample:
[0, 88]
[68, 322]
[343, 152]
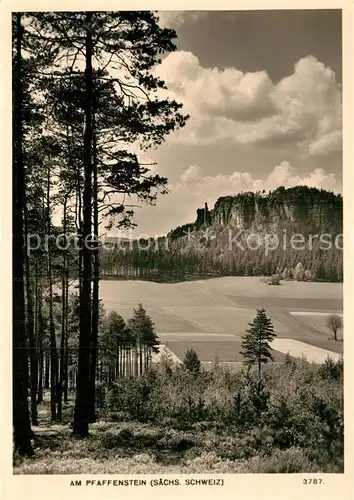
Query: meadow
[220, 418]
[212, 315]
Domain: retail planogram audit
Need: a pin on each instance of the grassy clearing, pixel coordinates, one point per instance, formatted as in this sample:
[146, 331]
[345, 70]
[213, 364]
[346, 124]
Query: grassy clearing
[209, 350]
[137, 449]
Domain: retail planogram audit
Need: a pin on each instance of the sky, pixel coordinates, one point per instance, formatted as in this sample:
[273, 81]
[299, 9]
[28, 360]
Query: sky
[263, 89]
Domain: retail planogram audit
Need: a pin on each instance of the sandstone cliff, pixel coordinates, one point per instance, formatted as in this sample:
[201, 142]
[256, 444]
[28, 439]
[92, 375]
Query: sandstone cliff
[300, 206]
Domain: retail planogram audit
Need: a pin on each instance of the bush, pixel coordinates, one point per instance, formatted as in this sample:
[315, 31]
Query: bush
[178, 441]
[274, 279]
[298, 406]
[191, 362]
[291, 461]
[100, 394]
[331, 369]
[122, 438]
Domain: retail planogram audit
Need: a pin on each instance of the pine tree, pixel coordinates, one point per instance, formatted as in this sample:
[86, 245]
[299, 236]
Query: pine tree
[285, 274]
[256, 347]
[21, 418]
[112, 342]
[119, 110]
[143, 330]
[191, 362]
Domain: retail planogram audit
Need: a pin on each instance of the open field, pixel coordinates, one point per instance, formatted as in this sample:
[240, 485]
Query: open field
[208, 350]
[210, 316]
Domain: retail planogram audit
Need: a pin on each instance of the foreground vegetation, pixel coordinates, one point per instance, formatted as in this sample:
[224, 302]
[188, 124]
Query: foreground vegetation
[186, 419]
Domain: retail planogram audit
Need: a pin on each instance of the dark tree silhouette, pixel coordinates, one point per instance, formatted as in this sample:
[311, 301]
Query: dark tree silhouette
[256, 347]
[118, 112]
[191, 362]
[21, 418]
[143, 332]
[334, 323]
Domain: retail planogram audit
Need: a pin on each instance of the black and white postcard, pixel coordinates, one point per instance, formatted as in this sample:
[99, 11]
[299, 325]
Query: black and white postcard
[176, 192]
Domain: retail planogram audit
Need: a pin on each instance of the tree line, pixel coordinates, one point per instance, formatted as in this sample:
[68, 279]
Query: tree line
[249, 234]
[84, 93]
[203, 257]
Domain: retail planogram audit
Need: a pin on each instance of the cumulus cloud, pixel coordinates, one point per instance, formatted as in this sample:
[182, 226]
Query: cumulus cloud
[192, 174]
[328, 143]
[193, 189]
[303, 109]
[209, 188]
[174, 18]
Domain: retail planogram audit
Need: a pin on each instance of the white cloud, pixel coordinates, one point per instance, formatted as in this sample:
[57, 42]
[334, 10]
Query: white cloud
[170, 18]
[193, 189]
[174, 18]
[192, 174]
[326, 144]
[303, 109]
[209, 188]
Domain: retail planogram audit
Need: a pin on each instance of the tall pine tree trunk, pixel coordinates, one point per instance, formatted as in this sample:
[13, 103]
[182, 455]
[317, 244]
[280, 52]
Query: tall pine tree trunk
[95, 290]
[66, 340]
[47, 370]
[118, 361]
[136, 366]
[53, 343]
[140, 354]
[82, 403]
[63, 322]
[259, 359]
[21, 418]
[30, 325]
[40, 348]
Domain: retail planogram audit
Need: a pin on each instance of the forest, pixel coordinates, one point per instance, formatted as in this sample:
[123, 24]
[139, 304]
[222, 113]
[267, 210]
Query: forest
[84, 93]
[202, 249]
[205, 254]
[87, 394]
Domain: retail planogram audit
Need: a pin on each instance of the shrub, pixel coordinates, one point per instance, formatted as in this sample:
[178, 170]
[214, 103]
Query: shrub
[299, 272]
[331, 369]
[119, 439]
[191, 362]
[298, 406]
[274, 279]
[100, 395]
[293, 460]
[178, 441]
[308, 275]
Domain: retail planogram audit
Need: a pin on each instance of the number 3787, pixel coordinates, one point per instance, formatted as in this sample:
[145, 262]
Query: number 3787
[312, 480]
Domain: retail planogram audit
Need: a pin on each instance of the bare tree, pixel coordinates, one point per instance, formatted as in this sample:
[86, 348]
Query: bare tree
[334, 323]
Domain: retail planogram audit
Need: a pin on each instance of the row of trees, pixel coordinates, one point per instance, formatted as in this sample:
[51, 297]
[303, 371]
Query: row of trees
[200, 258]
[127, 347]
[247, 234]
[84, 92]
